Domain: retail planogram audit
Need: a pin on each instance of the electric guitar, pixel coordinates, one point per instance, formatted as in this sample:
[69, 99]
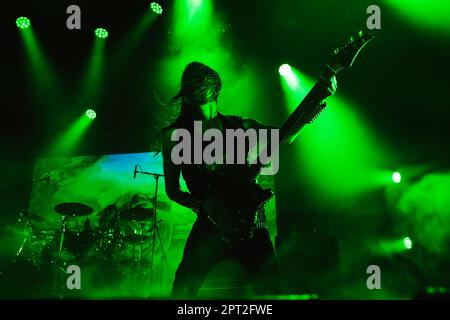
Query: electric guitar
[234, 197]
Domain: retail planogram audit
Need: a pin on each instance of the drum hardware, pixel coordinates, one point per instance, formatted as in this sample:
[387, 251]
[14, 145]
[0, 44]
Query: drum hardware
[58, 243]
[28, 216]
[32, 237]
[67, 210]
[28, 230]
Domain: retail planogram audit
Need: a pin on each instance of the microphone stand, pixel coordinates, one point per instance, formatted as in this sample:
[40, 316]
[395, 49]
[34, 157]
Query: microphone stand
[155, 231]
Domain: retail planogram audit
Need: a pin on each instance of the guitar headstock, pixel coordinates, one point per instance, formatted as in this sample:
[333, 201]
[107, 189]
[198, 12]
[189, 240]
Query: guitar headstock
[344, 56]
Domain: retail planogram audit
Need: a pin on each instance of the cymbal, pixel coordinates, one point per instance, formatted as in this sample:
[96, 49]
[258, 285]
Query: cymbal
[30, 215]
[137, 213]
[73, 209]
[135, 238]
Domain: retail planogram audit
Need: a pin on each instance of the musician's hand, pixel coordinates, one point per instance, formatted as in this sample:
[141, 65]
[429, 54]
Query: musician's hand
[330, 85]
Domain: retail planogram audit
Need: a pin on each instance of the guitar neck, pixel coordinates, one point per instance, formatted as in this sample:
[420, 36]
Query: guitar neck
[307, 108]
[342, 58]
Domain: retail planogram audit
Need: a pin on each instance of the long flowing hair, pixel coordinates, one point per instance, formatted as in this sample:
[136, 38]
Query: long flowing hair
[200, 84]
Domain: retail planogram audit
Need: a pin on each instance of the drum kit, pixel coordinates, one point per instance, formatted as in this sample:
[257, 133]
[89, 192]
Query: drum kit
[70, 244]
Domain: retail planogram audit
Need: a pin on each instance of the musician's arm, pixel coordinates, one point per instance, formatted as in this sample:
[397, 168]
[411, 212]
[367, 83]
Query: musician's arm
[172, 177]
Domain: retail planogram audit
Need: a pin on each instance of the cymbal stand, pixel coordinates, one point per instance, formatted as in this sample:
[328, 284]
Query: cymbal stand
[64, 222]
[28, 231]
[141, 245]
[155, 231]
[137, 276]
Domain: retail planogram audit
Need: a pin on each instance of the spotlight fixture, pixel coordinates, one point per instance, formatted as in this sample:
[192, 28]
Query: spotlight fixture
[101, 33]
[156, 8]
[91, 114]
[23, 23]
[407, 242]
[396, 177]
[285, 70]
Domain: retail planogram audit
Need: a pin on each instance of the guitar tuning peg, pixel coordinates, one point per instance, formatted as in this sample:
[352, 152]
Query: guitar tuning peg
[352, 39]
[336, 51]
[360, 33]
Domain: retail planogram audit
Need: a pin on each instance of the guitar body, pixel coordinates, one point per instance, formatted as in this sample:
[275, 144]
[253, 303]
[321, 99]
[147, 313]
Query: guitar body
[233, 199]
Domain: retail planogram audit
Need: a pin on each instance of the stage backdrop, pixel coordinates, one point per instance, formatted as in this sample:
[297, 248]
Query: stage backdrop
[101, 181]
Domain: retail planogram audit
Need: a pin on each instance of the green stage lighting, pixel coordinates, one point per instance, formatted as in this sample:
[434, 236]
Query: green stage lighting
[407, 242]
[101, 33]
[91, 114]
[338, 136]
[396, 177]
[285, 70]
[156, 8]
[23, 23]
[291, 78]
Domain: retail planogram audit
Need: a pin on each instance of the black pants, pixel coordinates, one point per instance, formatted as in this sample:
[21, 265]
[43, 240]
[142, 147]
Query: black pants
[204, 250]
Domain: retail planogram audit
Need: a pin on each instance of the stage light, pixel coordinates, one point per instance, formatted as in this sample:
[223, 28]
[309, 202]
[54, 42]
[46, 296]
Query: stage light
[338, 136]
[285, 70]
[407, 242]
[392, 246]
[23, 23]
[91, 114]
[290, 79]
[101, 33]
[396, 177]
[156, 8]
[195, 3]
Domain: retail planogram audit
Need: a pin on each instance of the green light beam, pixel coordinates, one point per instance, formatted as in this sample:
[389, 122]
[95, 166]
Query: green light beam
[339, 155]
[389, 247]
[91, 86]
[68, 142]
[132, 39]
[43, 80]
[193, 18]
[431, 15]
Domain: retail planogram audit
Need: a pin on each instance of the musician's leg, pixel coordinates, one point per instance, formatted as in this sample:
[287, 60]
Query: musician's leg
[202, 252]
[257, 256]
